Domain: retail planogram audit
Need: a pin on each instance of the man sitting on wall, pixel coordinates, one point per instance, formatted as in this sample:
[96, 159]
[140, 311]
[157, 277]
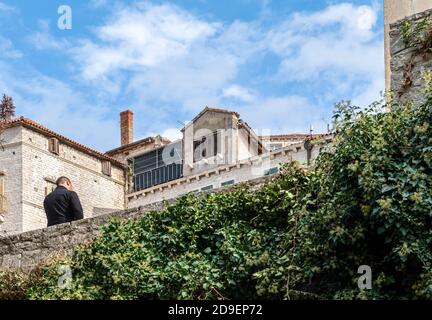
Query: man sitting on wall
[63, 205]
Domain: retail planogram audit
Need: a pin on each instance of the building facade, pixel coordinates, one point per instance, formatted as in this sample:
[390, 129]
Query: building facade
[217, 149]
[33, 157]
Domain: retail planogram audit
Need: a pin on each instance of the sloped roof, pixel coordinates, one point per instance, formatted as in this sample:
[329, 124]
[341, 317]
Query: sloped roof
[252, 133]
[208, 109]
[33, 125]
[241, 123]
[137, 144]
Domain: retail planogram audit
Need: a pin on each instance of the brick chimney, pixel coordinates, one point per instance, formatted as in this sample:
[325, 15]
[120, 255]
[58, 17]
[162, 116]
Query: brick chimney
[126, 127]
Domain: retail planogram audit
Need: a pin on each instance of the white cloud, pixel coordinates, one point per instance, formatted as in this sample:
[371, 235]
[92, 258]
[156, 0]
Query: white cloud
[178, 62]
[98, 3]
[238, 92]
[43, 40]
[8, 50]
[340, 38]
[287, 114]
[366, 18]
[172, 134]
[139, 37]
[169, 55]
[59, 107]
[337, 46]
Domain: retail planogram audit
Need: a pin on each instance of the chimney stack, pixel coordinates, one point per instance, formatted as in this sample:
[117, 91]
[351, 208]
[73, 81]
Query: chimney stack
[126, 127]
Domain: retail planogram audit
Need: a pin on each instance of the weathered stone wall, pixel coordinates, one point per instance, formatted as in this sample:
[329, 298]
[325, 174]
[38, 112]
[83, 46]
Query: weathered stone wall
[395, 10]
[406, 66]
[27, 250]
[29, 169]
[11, 170]
[96, 190]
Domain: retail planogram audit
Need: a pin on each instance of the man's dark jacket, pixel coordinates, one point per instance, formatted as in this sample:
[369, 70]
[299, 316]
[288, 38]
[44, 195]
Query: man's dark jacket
[62, 206]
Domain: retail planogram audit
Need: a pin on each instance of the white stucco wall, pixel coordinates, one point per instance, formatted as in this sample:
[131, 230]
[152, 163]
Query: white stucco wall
[209, 122]
[245, 170]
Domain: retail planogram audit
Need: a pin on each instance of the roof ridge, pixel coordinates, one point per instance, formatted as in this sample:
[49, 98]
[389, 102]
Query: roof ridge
[137, 143]
[35, 125]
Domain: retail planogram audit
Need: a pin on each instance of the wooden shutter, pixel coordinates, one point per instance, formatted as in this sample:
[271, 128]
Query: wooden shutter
[53, 145]
[49, 188]
[106, 167]
[2, 195]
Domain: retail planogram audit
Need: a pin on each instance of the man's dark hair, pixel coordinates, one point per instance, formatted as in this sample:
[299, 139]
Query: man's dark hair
[62, 180]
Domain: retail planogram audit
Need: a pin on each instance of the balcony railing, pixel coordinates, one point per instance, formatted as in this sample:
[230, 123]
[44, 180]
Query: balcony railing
[157, 176]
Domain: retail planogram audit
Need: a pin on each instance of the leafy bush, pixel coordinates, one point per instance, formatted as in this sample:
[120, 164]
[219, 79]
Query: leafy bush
[204, 247]
[367, 201]
[14, 284]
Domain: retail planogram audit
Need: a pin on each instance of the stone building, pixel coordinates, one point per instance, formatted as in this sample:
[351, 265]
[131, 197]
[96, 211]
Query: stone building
[31, 159]
[217, 149]
[395, 10]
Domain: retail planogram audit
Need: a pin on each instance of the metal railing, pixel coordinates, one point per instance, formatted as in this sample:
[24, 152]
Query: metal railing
[157, 176]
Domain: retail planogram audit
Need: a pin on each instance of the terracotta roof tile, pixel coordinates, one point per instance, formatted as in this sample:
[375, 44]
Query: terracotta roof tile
[29, 123]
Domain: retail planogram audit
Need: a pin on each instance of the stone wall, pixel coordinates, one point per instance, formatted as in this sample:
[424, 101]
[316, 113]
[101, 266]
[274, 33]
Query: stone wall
[407, 67]
[11, 171]
[96, 190]
[395, 10]
[29, 171]
[26, 250]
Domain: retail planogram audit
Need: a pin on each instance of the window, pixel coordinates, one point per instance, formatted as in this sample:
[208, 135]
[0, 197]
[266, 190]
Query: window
[49, 187]
[106, 167]
[50, 184]
[2, 194]
[271, 171]
[227, 183]
[53, 145]
[158, 166]
[206, 147]
[210, 187]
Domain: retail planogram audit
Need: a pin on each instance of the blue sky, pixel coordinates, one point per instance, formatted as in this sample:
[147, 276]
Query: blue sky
[282, 64]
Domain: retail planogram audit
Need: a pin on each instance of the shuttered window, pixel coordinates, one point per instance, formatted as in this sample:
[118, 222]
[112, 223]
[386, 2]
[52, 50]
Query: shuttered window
[49, 187]
[106, 167]
[2, 194]
[53, 145]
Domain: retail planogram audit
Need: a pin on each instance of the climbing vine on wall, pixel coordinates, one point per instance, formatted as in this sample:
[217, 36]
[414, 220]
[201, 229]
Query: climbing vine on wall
[416, 36]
